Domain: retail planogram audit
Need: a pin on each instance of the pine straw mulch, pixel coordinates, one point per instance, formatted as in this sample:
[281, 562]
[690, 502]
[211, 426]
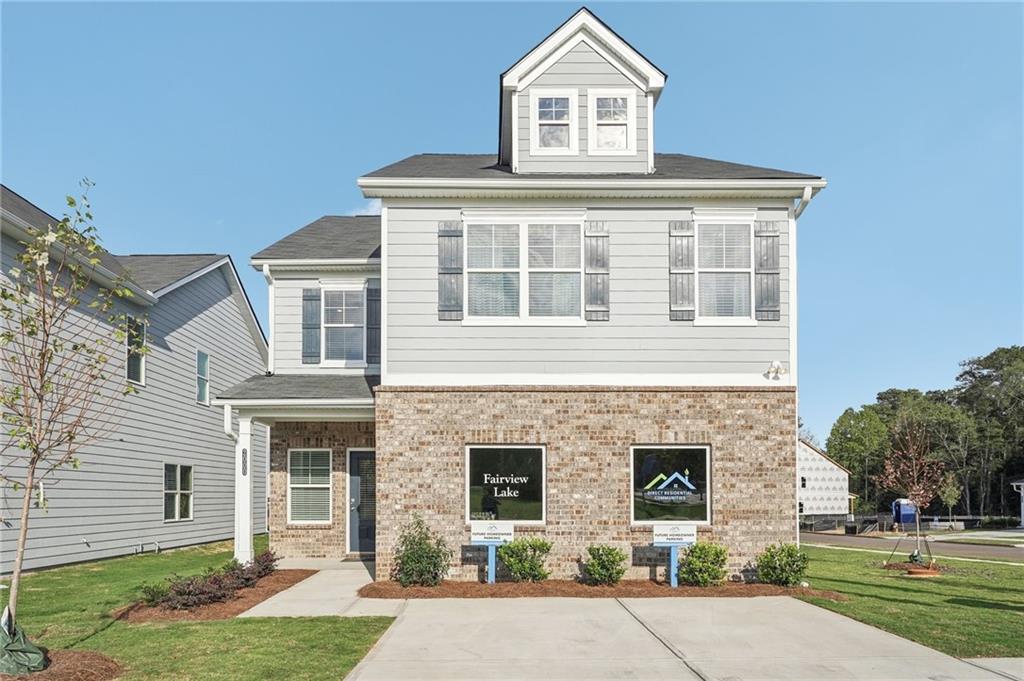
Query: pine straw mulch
[73, 665]
[274, 583]
[563, 588]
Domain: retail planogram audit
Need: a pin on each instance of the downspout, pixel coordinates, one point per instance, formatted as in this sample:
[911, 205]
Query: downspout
[802, 202]
[228, 429]
[270, 311]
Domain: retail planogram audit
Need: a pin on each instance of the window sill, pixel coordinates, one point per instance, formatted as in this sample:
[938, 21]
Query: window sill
[519, 321]
[291, 525]
[180, 520]
[724, 321]
[141, 384]
[335, 364]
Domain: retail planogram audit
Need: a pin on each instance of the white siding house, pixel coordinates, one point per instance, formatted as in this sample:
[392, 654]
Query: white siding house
[823, 486]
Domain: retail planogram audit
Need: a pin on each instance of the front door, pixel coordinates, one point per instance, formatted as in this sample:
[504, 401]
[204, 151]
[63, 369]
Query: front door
[362, 502]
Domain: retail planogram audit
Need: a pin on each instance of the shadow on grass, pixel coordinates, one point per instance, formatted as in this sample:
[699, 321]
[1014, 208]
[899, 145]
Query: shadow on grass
[986, 604]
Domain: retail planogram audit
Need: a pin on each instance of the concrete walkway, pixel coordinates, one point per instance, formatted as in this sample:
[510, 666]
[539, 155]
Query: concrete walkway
[332, 591]
[729, 639]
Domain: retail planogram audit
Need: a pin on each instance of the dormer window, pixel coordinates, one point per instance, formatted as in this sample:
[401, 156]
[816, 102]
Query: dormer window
[553, 117]
[612, 122]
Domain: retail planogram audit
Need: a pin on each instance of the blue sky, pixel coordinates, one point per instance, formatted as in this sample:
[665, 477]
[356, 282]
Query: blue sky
[223, 127]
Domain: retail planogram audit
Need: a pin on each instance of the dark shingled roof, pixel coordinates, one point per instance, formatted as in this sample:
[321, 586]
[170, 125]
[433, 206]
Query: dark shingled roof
[38, 218]
[353, 237]
[153, 272]
[303, 386]
[667, 167]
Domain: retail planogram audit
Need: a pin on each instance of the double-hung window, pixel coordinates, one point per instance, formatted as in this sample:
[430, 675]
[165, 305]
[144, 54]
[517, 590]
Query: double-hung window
[202, 377]
[611, 122]
[525, 270]
[725, 273]
[309, 486]
[177, 492]
[553, 118]
[344, 326]
[135, 359]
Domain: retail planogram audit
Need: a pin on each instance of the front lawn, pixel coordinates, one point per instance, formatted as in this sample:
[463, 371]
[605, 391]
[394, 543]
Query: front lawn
[70, 607]
[974, 610]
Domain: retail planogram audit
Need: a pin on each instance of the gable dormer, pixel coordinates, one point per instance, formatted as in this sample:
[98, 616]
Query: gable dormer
[582, 101]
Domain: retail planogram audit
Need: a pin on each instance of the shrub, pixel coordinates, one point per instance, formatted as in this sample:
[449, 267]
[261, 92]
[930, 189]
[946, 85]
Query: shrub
[185, 593]
[524, 558]
[781, 564]
[703, 564]
[153, 594]
[422, 557]
[265, 563]
[606, 565]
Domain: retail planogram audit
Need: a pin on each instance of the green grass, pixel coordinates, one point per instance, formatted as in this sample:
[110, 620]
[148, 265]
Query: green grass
[70, 607]
[976, 610]
[979, 542]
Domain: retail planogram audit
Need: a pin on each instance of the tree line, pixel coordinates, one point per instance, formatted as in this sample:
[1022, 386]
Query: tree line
[975, 429]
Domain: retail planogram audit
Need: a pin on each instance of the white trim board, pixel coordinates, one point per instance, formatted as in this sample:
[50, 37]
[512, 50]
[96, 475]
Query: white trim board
[753, 380]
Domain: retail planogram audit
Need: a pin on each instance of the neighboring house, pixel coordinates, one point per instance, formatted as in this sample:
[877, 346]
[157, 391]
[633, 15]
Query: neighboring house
[560, 335]
[823, 485]
[164, 477]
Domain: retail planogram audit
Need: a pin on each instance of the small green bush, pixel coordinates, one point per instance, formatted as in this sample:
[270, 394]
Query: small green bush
[606, 565]
[422, 557]
[703, 564]
[782, 565]
[524, 558]
[154, 594]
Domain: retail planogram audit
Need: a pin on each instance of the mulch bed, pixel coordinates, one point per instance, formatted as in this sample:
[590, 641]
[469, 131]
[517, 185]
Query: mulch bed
[73, 665]
[561, 588]
[277, 581]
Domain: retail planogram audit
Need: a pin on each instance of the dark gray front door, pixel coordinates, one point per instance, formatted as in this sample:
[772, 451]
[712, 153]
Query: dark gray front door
[362, 502]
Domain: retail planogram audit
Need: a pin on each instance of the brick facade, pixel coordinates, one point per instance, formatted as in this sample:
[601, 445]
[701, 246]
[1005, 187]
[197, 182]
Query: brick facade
[422, 434]
[312, 541]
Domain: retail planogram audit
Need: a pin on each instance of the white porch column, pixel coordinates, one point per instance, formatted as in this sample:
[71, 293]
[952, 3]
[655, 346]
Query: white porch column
[243, 491]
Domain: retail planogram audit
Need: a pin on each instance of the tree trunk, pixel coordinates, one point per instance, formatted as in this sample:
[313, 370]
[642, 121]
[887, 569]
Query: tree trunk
[19, 556]
[917, 522]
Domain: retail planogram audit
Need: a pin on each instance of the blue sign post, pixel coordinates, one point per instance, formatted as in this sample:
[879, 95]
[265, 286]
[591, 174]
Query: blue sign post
[672, 537]
[492, 534]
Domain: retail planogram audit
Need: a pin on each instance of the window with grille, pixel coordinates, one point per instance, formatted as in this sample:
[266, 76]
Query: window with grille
[309, 486]
[177, 492]
[555, 276]
[344, 326]
[724, 270]
[611, 122]
[492, 268]
[554, 122]
[202, 377]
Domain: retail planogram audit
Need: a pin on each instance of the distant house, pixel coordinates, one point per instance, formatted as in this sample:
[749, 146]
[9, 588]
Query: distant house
[165, 477]
[823, 485]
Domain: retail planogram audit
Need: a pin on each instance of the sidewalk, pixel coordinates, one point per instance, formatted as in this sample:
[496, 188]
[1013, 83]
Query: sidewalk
[332, 591]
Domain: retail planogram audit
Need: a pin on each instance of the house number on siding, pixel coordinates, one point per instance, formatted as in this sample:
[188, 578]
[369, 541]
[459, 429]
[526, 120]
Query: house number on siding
[244, 456]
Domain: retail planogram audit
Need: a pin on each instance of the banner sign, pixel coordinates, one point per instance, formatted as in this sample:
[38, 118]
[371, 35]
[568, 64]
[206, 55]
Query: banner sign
[490, 531]
[682, 534]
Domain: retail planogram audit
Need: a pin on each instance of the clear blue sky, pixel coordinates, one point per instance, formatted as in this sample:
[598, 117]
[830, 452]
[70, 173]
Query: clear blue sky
[223, 127]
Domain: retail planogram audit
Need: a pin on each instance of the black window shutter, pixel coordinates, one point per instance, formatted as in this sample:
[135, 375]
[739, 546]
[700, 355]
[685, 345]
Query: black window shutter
[373, 326]
[449, 270]
[597, 272]
[310, 326]
[767, 271]
[680, 271]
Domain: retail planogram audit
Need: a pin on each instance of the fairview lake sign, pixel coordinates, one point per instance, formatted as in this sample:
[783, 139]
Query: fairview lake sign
[490, 532]
[680, 534]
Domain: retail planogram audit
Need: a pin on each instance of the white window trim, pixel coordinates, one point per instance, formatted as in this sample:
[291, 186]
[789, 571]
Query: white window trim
[713, 216]
[632, 485]
[348, 490]
[631, 122]
[543, 480]
[209, 361]
[142, 356]
[324, 289]
[574, 127]
[330, 487]
[523, 221]
[178, 492]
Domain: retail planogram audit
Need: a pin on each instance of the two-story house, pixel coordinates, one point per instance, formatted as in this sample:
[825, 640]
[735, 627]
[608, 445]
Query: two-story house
[576, 334]
[162, 477]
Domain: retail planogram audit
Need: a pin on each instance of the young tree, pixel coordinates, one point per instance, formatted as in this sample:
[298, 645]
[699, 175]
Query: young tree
[949, 492]
[62, 353]
[910, 469]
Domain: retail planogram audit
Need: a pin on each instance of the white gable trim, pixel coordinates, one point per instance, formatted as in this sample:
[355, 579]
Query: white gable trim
[587, 28]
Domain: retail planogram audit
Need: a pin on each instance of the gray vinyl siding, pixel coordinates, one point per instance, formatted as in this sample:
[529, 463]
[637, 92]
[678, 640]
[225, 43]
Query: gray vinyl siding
[582, 68]
[286, 326]
[639, 338]
[114, 501]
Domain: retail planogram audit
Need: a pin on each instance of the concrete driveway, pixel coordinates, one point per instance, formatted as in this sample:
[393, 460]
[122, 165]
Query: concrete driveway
[659, 638]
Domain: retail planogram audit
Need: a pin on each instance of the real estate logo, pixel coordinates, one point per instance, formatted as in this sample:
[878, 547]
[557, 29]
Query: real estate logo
[669, 489]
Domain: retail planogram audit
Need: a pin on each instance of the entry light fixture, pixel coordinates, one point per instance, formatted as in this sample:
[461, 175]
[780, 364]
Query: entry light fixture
[775, 370]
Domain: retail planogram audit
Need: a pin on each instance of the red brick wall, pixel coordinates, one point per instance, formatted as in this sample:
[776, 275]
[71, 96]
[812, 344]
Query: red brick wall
[422, 433]
[312, 541]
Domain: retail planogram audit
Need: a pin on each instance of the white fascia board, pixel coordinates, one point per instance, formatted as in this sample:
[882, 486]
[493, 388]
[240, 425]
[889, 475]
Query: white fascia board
[582, 21]
[293, 402]
[751, 380]
[22, 231]
[317, 263]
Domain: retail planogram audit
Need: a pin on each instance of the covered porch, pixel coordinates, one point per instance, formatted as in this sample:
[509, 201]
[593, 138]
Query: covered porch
[322, 474]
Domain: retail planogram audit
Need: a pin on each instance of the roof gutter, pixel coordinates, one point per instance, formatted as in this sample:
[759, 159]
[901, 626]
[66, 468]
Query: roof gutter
[370, 183]
[804, 201]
